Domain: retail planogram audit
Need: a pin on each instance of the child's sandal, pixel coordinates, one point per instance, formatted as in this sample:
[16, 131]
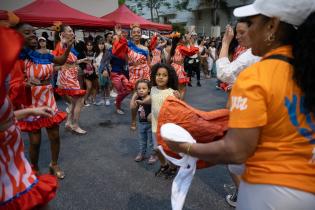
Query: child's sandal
[170, 173]
[162, 170]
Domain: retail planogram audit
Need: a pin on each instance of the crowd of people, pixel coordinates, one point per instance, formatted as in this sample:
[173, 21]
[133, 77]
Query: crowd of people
[264, 64]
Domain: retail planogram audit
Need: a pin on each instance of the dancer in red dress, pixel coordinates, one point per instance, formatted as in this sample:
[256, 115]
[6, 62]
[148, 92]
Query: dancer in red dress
[21, 189]
[177, 54]
[68, 84]
[38, 70]
[138, 61]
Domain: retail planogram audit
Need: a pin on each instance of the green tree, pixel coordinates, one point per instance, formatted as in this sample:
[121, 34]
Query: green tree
[153, 5]
[120, 2]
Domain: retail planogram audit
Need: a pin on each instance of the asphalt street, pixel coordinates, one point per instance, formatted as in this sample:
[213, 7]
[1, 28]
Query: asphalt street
[102, 175]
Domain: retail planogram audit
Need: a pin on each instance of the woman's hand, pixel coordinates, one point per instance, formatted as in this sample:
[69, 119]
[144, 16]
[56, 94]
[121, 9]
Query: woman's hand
[118, 30]
[139, 102]
[105, 73]
[176, 93]
[228, 35]
[43, 111]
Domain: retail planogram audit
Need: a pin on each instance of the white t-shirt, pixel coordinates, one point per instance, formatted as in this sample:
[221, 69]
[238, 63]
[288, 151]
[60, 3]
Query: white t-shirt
[157, 99]
[228, 71]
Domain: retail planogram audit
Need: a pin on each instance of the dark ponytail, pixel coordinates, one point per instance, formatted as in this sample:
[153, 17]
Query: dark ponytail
[175, 41]
[304, 61]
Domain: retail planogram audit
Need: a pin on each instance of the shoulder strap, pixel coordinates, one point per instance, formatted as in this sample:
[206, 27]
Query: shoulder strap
[280, 57]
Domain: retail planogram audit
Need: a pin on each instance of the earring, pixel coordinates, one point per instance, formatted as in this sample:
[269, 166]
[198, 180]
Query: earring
[271, 38]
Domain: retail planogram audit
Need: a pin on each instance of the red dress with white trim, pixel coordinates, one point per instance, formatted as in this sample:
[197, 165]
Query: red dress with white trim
[68, 83]
[38, 70]
[178, 61]
[156, 56]
[137, 59]
[20, 188]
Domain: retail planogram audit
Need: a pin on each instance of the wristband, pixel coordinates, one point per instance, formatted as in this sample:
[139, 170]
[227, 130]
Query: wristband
[188, 149]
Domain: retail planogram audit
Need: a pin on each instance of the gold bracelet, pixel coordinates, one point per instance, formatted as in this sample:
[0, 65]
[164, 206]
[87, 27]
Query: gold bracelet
[188, 149]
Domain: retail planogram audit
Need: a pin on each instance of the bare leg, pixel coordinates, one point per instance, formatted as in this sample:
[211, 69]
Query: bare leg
[35, 141]
[182, 91]
[133, 109]
[53, 135]
[69, 121]
[236, 179]
[78, 103]
[88, 84]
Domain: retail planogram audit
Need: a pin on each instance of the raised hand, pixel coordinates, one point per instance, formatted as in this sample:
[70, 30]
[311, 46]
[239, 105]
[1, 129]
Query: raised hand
[118, 30]
[228, 35]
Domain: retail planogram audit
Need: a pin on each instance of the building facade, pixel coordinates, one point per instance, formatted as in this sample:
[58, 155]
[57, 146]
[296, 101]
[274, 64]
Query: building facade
[208, 16]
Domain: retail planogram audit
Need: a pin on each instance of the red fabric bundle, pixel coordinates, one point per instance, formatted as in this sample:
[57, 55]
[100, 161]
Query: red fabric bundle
[203, 126]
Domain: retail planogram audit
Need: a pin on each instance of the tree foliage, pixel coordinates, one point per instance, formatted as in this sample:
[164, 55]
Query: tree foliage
[120, 2]
[153, 5]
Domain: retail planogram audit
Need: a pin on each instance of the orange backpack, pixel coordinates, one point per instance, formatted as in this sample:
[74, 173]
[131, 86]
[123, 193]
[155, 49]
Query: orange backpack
[203, 126]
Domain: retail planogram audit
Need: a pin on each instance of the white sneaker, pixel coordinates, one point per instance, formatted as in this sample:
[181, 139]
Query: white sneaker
[100, 103]
[107, 102]
[119, 111]
[113, 94]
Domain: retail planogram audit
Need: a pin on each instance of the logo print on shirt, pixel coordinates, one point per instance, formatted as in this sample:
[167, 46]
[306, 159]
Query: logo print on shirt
[292, 110]
[238, 102]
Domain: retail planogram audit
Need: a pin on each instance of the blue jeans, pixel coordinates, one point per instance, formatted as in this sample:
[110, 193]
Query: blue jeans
[145, 137]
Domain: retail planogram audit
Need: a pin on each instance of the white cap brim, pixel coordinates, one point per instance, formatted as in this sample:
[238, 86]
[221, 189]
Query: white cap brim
[245, 11]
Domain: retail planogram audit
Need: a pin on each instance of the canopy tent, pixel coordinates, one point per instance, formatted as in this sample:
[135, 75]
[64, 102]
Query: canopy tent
[3, 15]
[46, 12]
[125, 17]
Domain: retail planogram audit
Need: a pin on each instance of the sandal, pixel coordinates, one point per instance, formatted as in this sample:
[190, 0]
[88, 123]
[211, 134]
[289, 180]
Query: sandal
[133, 126]
[170, 173]
[162, 170]
[140, 157]
[78, 131]
[56, 171]
[68, 127]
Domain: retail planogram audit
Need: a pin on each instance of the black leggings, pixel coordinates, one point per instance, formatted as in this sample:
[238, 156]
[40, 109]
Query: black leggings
[190, 67]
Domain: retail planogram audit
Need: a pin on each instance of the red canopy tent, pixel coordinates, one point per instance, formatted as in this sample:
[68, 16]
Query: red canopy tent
[125, 17]
[46, 12]
[3, 15]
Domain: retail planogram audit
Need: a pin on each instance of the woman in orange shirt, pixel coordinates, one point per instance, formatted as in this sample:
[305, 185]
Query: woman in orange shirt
[272, 125]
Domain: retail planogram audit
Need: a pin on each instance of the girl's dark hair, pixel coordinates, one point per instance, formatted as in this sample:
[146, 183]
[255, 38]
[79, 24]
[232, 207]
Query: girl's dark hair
[172, 76]
[175, 41]
[97, 49]
[304, 62]
[143, 81]
[91, 43]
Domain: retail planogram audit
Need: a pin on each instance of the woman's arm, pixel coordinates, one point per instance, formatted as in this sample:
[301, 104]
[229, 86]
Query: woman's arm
[60, 60]
[38, 111]
[235, 147]
[226, 41]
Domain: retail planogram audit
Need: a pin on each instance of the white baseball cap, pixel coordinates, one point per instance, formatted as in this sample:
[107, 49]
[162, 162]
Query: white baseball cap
[145, 36]
[293, 12]
[41, 38]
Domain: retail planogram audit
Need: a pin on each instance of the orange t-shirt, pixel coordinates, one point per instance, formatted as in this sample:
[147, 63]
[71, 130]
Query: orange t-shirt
[265, 95]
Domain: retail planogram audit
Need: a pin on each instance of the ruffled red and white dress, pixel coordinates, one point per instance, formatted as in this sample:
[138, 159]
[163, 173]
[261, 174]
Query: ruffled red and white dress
[178, 61]
[39, 67]
[20, 188]
[137, 59]
[156, 56]
[68, 83]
